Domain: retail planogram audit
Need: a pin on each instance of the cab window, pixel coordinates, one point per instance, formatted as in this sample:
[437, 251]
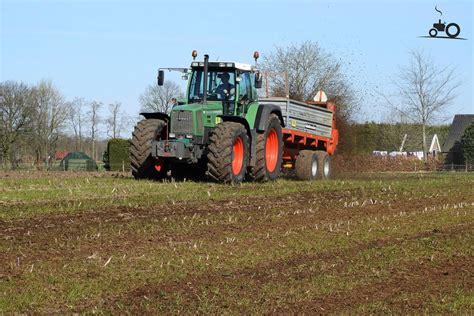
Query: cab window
[245, 87]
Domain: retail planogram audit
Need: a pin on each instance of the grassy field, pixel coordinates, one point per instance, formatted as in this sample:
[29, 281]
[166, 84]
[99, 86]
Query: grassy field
[388, 243]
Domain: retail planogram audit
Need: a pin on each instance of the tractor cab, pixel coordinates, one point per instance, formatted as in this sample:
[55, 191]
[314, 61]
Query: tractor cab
[228, 84]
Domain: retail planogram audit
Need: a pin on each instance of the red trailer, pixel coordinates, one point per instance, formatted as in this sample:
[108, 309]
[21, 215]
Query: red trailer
[310, 136]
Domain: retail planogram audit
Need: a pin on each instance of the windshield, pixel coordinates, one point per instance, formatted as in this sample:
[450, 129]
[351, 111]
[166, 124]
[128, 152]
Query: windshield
[221, 86]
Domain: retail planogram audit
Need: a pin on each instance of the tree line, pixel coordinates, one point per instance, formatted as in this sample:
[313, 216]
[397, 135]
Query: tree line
[37, 120]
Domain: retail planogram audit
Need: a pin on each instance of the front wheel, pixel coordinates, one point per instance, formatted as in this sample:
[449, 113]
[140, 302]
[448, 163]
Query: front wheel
[143, 165]
[433, 32]
[269, 152]
[228, 153]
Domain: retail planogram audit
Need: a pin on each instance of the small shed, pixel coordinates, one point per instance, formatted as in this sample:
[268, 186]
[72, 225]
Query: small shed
[414, 146]
[452, 145]
[78, 161]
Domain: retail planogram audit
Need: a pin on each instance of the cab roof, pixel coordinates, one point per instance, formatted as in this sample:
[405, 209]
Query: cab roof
[225, 64]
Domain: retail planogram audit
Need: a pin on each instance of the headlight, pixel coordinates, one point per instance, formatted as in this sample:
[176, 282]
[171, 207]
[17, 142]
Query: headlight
[172, 135]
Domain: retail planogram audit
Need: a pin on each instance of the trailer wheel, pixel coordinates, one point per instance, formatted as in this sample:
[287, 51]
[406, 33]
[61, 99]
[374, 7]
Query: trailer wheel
[324, 164]
[306, 165]
[269, 152]
[143, 165]
[228, 153]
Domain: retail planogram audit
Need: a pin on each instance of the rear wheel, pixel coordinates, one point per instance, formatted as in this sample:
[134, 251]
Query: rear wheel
[453, 33]
[269, 152]
[143, 165]
[228, 153]
[324, 164]
[306, 165]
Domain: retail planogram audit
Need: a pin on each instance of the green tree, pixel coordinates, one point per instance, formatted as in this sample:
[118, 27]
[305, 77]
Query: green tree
[467, 144]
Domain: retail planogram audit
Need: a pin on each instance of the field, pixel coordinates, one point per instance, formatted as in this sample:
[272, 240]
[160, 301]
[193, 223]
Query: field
[380, 243]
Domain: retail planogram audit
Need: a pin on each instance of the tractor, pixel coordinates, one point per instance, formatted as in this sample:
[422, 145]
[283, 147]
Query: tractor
[224, 132]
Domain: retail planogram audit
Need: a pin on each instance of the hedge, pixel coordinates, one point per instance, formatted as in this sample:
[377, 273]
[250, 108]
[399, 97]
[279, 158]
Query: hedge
[116, 158]
[467, 144]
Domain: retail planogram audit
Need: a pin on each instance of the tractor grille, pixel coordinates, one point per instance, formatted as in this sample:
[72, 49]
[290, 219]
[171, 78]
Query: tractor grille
[182, 122]
[199, 121]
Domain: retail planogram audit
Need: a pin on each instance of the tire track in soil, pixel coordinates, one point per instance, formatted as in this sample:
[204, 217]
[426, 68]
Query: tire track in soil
[56, 223]
[36, 236]
[406, 279]
[275, 271]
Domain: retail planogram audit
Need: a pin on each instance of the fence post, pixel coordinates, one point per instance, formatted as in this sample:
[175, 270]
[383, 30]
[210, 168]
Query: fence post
[123, 166]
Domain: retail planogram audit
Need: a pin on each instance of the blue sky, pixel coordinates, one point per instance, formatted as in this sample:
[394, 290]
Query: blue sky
[110, 50]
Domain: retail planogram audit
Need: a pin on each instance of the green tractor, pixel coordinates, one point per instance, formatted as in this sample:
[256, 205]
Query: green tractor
[220, 131]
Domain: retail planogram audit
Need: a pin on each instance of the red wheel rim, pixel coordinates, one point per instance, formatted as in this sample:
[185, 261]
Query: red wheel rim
[159, 164]
[238, 156]
[271, 150]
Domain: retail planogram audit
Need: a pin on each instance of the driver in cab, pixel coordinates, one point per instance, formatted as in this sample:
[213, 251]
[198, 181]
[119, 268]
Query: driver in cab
[225, 90]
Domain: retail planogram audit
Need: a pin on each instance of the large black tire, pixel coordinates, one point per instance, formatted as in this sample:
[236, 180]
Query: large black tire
[456, 33]
[268, 167]
[142, 163]
[324, 164]
[224, 155]
[306, 165]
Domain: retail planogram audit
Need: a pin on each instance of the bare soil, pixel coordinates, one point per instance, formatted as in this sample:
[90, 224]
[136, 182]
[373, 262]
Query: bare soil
[300, 237]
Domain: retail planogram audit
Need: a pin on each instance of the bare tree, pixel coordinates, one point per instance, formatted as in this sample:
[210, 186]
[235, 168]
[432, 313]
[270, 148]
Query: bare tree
[76, 120]
[117, 120]
[309, 69]
[157, 98]
[94, 121]
[16, 114]
[423, 91]
[49, 118]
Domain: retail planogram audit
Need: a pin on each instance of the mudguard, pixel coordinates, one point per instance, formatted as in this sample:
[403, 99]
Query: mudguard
[237, 119]
[156, 115]
[263, 112]
[250, 132]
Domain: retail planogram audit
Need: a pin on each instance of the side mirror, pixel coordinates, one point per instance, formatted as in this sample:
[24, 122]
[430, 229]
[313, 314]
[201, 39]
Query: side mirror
[161, 77]
[258, 80]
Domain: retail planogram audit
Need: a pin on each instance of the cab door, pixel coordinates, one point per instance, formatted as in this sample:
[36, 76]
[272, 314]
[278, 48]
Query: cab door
[245, 96]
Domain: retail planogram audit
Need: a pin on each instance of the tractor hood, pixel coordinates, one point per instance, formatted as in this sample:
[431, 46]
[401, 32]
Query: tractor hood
[191, 119]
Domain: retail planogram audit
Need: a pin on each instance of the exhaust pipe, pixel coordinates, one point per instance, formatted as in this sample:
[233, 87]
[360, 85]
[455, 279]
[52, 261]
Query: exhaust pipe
[206, 64]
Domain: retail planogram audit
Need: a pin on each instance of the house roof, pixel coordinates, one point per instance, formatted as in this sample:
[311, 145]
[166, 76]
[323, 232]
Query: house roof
[60, 154]
[460, 123]
[414, 142]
